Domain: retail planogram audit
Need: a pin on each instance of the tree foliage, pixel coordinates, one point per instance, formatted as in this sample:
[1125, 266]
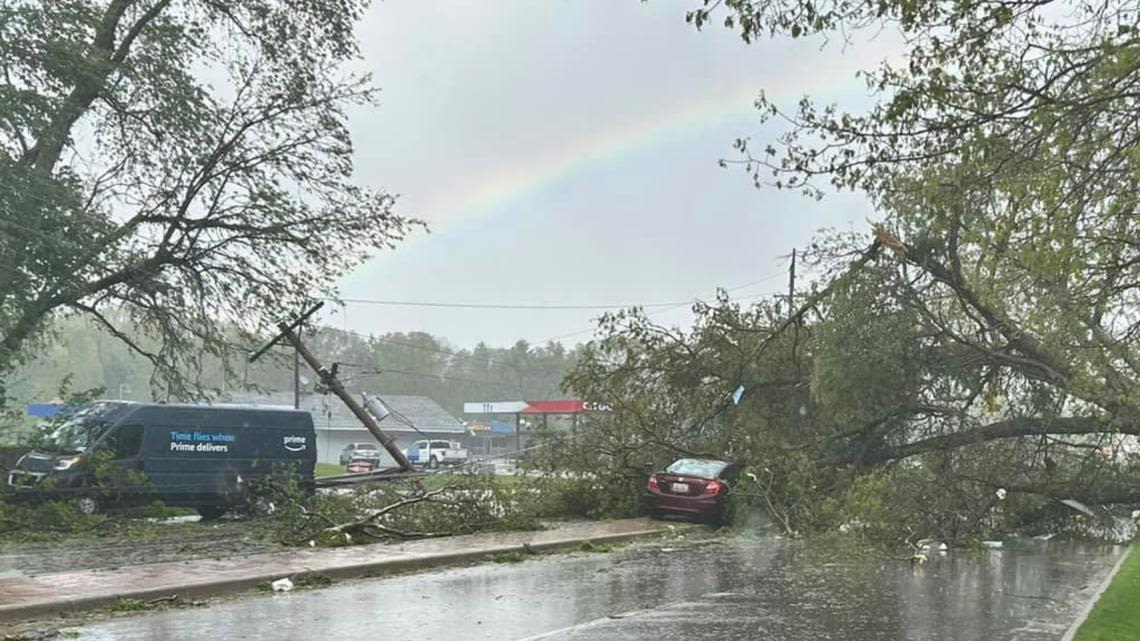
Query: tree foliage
[185, 163]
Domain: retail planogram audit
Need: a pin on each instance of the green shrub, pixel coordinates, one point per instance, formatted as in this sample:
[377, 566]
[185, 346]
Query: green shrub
[553, 497]
[44, 521]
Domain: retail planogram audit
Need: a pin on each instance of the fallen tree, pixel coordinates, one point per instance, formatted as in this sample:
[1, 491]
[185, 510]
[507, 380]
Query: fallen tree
[863, 410]
[396, 509]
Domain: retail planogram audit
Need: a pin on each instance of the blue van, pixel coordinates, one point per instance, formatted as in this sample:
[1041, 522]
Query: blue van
[200, 456]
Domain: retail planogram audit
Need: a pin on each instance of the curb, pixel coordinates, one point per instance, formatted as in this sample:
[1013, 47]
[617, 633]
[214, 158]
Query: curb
[1083, 615]
[15, 613]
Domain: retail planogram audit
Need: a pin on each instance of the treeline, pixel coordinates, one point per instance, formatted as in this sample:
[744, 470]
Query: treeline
[84, 357]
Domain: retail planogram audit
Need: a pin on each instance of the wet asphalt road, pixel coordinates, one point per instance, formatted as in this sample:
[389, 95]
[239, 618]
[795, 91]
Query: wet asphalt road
[725, 590]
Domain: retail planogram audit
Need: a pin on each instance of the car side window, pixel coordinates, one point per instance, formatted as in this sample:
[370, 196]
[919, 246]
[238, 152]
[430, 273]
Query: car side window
[126, 440]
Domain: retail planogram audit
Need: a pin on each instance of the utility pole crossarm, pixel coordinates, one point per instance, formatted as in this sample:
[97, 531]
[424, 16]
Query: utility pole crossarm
[286, 328]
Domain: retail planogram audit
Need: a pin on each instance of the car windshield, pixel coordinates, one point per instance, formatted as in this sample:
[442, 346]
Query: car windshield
[78, 431]
[697, 467]
[365, 446]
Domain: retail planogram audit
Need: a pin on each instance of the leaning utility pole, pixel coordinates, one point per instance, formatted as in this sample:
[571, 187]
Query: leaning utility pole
[329, 379]
[792, 309]
[792, 284]
[297, 374]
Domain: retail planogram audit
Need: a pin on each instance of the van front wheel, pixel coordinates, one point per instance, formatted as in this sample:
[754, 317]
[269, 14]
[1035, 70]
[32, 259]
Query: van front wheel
[87, 505]
[261, 506]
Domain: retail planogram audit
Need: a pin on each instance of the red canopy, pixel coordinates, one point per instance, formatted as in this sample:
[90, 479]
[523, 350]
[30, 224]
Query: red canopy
[565, 406]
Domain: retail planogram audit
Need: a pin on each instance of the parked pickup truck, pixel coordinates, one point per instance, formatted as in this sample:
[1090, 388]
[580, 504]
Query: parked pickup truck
[432, 454]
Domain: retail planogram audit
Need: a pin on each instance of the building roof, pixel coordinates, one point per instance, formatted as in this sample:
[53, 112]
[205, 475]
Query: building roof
[329, 413]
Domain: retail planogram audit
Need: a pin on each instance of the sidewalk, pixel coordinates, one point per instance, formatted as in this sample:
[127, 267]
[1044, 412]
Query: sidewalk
[52, 594]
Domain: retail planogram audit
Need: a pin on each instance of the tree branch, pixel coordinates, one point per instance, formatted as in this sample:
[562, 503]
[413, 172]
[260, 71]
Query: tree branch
[1011, 428]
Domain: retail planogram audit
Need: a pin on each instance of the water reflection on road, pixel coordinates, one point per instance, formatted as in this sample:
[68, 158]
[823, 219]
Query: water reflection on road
[742, 589]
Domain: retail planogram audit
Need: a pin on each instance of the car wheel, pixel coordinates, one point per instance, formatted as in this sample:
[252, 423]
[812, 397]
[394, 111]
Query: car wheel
[433, 463]
[87, 505]
[650, 510]
[725, 515]
[211, 512]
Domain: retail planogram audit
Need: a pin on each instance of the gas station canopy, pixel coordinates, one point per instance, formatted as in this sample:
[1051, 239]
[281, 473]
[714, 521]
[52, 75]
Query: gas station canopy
[562, 406]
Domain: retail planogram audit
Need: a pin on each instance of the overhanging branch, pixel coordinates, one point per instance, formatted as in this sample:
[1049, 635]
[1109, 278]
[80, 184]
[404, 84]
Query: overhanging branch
[1011, 428]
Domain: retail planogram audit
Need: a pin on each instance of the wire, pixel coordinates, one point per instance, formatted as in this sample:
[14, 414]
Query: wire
[489, 361]
[400, 417]
[381, 371]
[505, 306]
[594, 327]
[537, 306]
[664, 307]
[666, 310]
[512, 454]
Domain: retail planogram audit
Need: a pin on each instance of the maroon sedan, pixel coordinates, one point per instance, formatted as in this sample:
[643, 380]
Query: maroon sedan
[697, 488]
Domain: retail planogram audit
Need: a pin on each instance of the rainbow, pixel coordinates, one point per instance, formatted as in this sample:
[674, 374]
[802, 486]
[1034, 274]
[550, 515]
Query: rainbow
[598, 149]
[535, 174]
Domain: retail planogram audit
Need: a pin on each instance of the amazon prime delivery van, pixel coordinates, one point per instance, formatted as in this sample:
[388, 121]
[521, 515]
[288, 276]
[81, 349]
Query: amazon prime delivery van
[200, 456]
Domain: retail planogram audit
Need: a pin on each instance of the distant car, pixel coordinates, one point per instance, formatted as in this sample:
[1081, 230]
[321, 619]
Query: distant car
[432, 454]
[695, 488]
[359, 450]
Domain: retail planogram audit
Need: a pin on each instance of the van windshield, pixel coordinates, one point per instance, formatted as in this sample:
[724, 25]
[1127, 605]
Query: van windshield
[78, 431]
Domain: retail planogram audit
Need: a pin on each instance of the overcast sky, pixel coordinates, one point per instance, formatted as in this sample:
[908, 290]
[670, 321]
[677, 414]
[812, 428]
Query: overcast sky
[565, 153]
